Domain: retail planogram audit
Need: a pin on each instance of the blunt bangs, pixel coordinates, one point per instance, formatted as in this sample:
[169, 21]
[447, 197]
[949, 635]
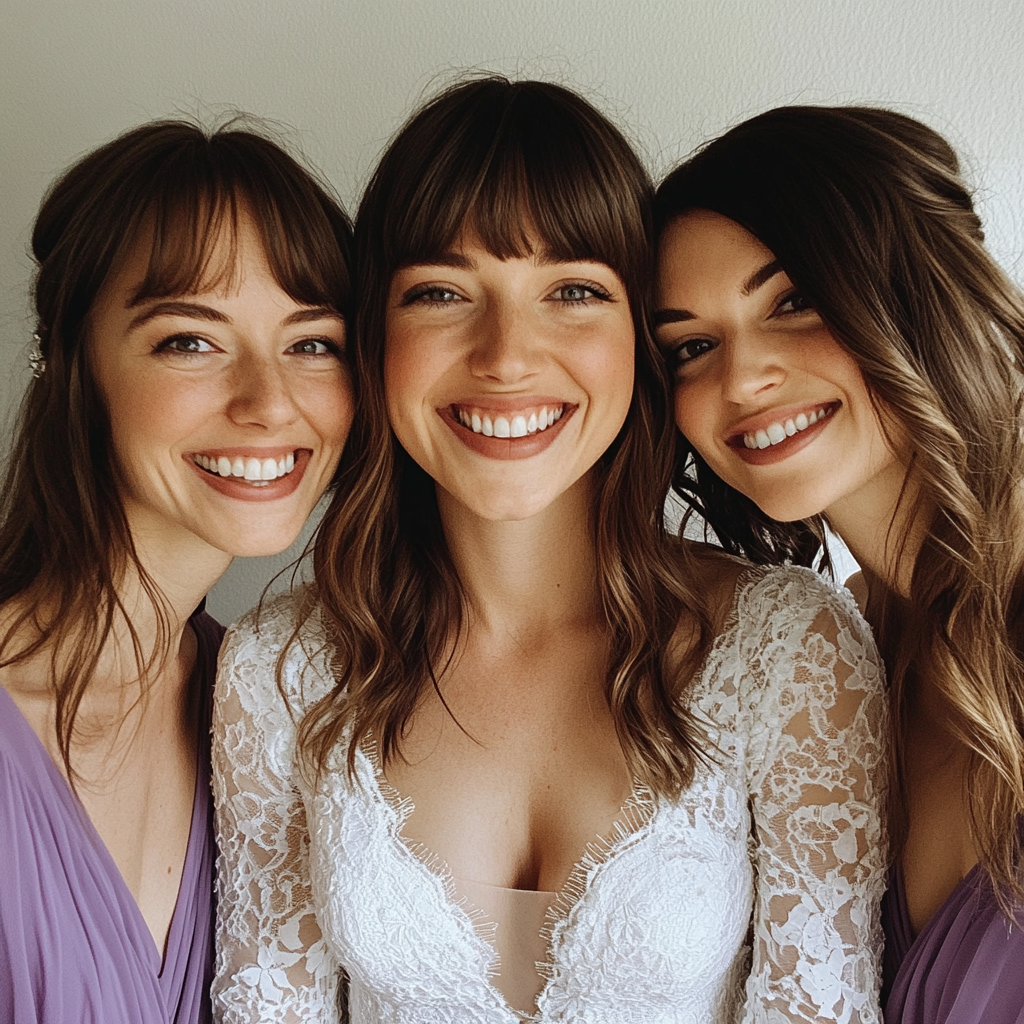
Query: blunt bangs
[203, 192]
[518, 165]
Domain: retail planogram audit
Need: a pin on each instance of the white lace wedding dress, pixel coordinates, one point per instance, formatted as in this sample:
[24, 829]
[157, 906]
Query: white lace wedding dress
[753, 899]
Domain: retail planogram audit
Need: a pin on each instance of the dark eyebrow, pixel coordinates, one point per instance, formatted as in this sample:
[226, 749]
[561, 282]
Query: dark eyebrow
[761, 277]
[672, 316]
[455, 260]
[305, 316]
[197, 311]
[192, 310]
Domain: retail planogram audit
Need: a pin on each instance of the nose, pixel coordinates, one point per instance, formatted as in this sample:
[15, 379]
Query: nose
[504, 344]
[752, 367]
[260, 394]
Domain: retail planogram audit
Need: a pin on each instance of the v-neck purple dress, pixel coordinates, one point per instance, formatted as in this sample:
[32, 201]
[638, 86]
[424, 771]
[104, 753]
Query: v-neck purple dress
[965, 967]
[74, 947]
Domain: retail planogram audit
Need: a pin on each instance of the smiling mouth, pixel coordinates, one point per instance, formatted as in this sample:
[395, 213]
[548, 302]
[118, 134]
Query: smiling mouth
[776, 433]
[521, 424]
[250, 470]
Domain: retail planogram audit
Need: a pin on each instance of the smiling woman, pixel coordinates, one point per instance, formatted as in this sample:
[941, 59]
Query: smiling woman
[524, 755]
[887, 314]
[190, 402]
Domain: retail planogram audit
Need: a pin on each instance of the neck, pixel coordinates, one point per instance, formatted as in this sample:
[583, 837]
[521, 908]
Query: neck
[878, 525]
[528, 575]
[181, 574]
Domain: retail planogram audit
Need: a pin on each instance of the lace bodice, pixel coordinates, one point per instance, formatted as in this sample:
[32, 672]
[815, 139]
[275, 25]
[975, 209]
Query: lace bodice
[754, 898]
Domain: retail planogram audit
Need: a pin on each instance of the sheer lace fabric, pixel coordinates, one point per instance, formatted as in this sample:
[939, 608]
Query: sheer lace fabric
[753, 899]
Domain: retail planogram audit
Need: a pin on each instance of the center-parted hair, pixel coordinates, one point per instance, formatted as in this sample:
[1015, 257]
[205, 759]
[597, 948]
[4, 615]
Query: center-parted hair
[866, 212]
[519, 165]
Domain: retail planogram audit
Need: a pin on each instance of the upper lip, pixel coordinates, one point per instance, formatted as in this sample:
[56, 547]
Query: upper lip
[777, 414]
[251, 451]
[507, 405]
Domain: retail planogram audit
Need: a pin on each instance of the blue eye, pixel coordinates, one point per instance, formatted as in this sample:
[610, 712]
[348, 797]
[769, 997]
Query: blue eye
[579, 292]
[432, 295]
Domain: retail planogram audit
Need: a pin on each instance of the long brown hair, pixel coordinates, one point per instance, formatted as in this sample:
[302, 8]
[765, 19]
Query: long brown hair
[65, 544]
[866, 212]
[506, 159]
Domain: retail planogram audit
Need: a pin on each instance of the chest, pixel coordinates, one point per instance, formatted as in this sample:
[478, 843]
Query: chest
[655, 915]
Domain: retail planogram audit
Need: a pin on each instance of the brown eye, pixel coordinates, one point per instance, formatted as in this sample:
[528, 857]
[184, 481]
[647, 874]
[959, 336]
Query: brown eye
[692, 348]
[794, 302]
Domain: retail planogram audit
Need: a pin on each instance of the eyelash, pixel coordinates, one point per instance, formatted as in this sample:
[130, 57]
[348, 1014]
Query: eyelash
[798, 295]
[677, 357]
[167, 345]
[331, 347]
[423, 293]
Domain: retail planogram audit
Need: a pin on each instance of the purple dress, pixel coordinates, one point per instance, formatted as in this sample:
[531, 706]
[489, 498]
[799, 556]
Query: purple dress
[965, 967]
[74, 948]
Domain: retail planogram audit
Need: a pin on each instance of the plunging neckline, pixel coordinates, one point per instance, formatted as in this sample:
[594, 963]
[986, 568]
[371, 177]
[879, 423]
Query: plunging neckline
[192, 848]
[630, 826]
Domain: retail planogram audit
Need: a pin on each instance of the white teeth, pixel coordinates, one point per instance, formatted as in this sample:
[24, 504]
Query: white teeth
[252, 470]
[776, 432]
[516, 425]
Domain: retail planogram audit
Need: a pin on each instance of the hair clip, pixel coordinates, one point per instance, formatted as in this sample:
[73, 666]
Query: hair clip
[36, 359]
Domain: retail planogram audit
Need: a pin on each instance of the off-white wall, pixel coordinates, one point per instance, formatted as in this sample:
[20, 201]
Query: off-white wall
[343, 75]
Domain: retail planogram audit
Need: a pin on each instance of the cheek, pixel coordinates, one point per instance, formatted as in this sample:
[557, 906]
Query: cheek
[693, 410]
[328, 406]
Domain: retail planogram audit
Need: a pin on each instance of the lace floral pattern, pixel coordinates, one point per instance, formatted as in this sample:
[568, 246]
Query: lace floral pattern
[753, 899]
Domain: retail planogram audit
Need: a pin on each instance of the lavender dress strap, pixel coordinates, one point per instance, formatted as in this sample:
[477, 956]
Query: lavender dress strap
[965, 967]
[74, 948]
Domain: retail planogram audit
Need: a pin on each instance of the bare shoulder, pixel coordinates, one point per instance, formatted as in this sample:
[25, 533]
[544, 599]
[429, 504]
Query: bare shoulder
[713, 575]
[858, 586]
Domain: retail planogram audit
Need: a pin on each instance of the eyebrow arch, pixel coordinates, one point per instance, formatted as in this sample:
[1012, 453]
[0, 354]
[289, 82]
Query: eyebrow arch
[197, 311]
[672, 316]
[455, 260]
[192, 310]
[761, 277]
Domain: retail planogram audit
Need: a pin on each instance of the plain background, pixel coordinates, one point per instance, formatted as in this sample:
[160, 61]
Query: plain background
[340, 77]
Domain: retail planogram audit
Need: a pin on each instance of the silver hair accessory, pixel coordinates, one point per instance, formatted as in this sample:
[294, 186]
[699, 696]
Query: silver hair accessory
[36, 359]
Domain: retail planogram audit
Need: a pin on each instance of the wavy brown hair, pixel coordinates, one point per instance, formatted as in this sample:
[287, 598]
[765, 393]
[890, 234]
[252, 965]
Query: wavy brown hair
[514, 162]
[866, 211]
[65, 543]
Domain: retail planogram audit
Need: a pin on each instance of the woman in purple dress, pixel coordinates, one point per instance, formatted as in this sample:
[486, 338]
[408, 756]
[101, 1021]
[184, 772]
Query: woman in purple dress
[848, 353]
[189, 402]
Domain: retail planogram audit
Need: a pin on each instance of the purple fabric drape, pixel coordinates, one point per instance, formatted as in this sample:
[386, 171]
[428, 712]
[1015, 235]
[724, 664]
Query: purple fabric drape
[965, 967]
[74, 948]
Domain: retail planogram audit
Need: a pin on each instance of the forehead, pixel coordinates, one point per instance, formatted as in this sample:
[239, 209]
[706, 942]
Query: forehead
[189, 264]
[703, 251]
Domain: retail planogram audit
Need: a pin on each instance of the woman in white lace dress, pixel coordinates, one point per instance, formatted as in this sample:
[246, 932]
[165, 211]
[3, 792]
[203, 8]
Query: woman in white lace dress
[518, 755]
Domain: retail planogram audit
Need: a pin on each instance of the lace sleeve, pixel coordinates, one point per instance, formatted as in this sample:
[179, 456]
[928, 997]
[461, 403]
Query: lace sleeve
[817, 776]
[272, 964]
